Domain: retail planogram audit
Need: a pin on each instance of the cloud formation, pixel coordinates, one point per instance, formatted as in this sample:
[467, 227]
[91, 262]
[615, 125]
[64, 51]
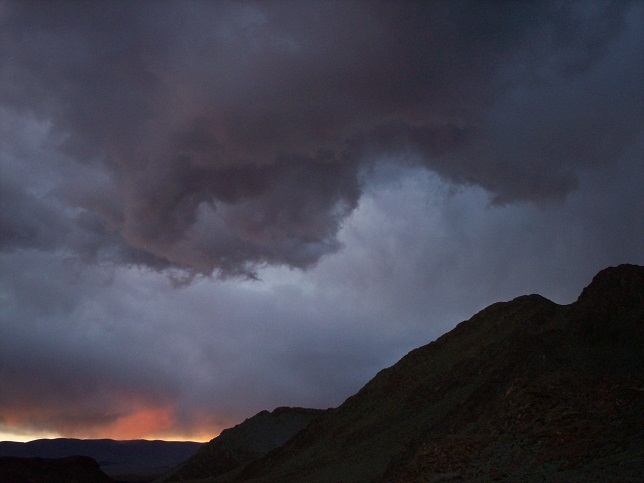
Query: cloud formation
[230, 136]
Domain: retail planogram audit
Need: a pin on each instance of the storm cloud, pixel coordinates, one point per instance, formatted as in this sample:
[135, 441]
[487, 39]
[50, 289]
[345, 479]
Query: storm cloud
[223, 137]
[331, 183]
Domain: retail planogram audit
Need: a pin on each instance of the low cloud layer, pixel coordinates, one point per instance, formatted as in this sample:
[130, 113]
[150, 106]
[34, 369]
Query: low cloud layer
[330, 183]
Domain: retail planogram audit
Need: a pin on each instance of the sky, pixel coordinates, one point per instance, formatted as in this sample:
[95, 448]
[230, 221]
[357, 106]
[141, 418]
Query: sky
[208, 209]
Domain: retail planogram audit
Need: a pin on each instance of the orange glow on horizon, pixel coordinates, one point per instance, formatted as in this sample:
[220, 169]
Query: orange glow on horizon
[19, 436]
[137, 422]
[22, 436]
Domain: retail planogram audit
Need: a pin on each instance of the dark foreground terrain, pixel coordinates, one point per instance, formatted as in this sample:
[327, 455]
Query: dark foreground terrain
[137, 460]
[72, 469]
[525, 390]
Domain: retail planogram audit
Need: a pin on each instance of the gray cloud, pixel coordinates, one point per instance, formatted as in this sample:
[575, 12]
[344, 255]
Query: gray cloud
[234, 135]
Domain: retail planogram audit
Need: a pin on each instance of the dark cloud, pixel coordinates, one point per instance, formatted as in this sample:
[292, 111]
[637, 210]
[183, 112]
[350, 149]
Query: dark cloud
[233, 135]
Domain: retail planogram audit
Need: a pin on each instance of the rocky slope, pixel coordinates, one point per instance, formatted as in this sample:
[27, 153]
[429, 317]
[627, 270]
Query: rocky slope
[243, 443]
[525, 390]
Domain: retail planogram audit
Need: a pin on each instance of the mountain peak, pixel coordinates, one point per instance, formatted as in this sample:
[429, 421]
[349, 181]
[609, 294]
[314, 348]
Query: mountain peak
[609, 312]
[616, 282]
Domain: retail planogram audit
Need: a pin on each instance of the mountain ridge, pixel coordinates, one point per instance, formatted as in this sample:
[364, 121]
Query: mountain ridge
[475, 386]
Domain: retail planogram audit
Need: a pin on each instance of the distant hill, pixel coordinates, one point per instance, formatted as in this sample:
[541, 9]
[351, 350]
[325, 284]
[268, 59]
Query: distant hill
[123, 460]
[525, 390]
[72, 469]
[244, 443]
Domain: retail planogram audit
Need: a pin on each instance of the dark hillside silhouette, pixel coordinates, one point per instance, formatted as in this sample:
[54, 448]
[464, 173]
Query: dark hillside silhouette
[524, 390]
[244, 443]
[72, 469]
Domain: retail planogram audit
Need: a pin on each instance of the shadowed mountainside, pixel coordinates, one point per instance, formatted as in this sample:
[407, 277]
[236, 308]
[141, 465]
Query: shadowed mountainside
[525, 390]
[244, 443]
[72, 469]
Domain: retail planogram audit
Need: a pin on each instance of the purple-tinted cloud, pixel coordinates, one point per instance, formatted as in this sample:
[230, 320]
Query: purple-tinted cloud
[233, 135]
